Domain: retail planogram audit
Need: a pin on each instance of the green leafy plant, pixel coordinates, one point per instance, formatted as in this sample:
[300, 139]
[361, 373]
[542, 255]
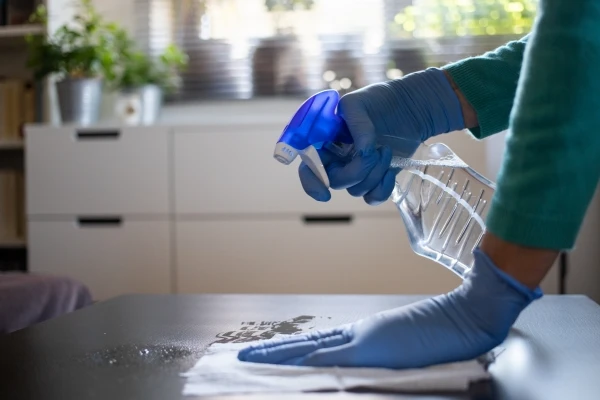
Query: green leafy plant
[82, 49]
[279, 8]
[437, 18]
[133, 68]
[288, 5]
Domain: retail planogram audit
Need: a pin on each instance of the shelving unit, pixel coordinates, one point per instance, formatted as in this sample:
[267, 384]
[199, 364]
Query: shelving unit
[12, 243]
[11, 145]
[20, 31]
[13, 238]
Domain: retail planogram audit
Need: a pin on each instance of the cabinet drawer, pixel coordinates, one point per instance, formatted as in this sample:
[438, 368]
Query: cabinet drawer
[122, 171]
[232, 170]
[364, 255]
[111, 258]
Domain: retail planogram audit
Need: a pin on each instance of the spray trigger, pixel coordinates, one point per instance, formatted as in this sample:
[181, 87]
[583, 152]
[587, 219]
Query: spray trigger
[315, 125]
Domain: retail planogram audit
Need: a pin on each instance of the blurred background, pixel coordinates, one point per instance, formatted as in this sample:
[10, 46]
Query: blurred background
[252, 48]
[137, 138]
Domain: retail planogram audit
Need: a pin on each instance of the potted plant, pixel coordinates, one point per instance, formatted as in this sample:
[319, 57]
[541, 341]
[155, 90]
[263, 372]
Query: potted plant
[141, 80]
[77, 55]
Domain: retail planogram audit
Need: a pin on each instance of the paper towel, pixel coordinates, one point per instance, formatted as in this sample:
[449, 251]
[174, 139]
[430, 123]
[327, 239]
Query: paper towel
[219, 372]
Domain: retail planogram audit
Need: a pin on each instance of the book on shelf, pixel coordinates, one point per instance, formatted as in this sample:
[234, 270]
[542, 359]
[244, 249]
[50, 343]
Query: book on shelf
[12, 205]
[17, 108]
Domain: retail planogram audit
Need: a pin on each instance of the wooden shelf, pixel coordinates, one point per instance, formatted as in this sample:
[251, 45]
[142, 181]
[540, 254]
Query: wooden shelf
[11, 144]
[12, 243]
[16, 31]
[13, 36]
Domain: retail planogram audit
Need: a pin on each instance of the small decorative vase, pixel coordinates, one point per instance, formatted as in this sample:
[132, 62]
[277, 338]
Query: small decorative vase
[140, 105]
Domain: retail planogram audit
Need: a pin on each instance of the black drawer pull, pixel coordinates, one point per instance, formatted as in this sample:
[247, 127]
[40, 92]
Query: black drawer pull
[98, 134]
[99, 221]
[327, 219]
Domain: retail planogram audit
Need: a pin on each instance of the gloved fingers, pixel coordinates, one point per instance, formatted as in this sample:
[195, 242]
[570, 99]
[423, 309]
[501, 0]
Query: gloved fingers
[333, 356]
[353, 111]
[266, 344]
[344, 175]
[270, 343]
[363, 140]
[280, 353]
[311, 347]
[314, 335]
[375, 176]
[312, 185]
[383, 191]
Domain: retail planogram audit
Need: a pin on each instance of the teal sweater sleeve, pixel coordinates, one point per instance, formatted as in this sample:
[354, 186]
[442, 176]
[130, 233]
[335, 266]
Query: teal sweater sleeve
[489, 83]
[552, 162]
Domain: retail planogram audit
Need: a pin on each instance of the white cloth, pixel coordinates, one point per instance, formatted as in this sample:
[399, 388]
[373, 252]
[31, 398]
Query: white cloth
[219, 372]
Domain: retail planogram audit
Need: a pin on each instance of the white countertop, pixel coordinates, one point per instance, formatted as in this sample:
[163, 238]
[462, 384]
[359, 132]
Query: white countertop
[271, 111]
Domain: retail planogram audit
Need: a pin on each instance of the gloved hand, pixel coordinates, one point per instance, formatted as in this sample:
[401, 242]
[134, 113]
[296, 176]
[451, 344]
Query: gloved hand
[460, 325]
[385, 118]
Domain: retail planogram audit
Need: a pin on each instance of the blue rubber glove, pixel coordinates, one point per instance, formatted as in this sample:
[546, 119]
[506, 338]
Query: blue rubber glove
[385, 118]
[457, 326]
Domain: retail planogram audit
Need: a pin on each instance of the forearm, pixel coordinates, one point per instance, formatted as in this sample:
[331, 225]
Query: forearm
[528, 265]
[486, 85]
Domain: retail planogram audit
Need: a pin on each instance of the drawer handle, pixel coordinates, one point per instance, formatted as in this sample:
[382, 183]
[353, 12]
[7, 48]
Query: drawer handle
[327, 219]
[98, 134]
[99, 221]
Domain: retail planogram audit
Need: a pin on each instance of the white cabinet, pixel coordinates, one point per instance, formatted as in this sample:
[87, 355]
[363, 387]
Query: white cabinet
[99, 207]
[97, 171]
[220, 170]
[245, 225]
[205, 209]
[111, 256]
[291, 255]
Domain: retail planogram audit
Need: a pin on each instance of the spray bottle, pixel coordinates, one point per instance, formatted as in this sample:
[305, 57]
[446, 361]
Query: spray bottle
[442, 201]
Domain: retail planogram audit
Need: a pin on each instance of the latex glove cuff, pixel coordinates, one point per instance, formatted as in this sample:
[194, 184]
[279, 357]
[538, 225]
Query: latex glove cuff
[530, 295]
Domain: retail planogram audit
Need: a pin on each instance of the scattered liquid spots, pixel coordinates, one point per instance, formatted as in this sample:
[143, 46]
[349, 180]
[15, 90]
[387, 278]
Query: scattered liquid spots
[263, 330]
[132, 355]
[290, 327]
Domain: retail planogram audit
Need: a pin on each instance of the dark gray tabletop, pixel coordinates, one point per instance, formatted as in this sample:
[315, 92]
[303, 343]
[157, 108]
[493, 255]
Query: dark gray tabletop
[134, 347]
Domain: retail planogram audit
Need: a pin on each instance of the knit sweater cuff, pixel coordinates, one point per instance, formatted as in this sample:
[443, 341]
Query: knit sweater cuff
[531, 230]
[472, 88]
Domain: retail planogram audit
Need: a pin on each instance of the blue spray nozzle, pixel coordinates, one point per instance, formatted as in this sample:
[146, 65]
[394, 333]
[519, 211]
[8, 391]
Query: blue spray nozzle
[312, 126]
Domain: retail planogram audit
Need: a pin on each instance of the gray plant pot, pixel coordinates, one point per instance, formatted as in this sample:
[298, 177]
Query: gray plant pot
[79, 100]
[151, 101]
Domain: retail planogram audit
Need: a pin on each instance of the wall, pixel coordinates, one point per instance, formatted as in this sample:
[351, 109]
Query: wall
[119, 11]
[584, 261]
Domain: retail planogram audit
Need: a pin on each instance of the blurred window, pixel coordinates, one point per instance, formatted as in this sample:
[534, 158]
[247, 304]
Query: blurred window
[240, 49]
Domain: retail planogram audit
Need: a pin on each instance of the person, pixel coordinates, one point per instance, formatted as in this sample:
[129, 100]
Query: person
[544, 90]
